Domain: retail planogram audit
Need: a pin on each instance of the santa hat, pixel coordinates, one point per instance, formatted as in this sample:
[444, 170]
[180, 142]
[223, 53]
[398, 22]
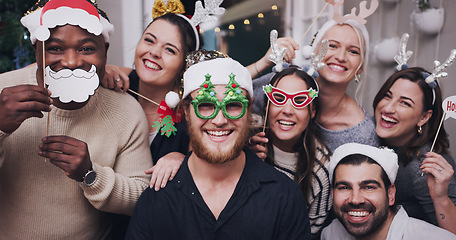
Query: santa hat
[55, 13]
[385, 157]
[220, 70]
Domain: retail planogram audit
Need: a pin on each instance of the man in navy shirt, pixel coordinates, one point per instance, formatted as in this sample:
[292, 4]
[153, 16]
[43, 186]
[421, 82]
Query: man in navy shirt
[222, 190]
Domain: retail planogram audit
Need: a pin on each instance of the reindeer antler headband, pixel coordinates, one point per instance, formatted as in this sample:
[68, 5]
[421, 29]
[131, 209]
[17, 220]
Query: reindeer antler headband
[356, 21]
[207, 14]
[277, 57]
[431, 79]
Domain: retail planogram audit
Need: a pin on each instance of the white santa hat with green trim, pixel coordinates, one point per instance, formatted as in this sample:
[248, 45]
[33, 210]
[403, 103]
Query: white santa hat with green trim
[61, 12]
[219, 69]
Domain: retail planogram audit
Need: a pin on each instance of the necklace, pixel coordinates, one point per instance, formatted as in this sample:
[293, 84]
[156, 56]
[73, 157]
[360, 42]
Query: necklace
[337, 113]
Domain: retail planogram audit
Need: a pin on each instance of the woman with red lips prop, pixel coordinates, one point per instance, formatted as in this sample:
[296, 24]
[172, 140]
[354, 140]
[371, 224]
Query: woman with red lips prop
[408, 113]
[291, 143]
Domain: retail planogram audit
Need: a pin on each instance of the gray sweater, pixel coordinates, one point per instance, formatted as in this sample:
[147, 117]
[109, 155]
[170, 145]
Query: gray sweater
[412, 191]
[363, 132]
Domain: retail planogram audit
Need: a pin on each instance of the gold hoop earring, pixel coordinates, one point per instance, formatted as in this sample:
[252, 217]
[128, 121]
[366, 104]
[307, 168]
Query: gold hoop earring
[420, 130]
[357, 78]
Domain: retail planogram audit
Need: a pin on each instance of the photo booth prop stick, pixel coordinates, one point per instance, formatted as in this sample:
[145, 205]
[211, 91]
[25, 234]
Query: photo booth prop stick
[45, 15]
[332, 2]
[144, 97]
[168, 112]
[449, 110]
[439, 73]
[315, 64]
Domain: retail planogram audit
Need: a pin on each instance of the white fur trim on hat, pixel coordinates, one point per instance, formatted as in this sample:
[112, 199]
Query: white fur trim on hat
[385, 157]
[219, 69]
[65, 15]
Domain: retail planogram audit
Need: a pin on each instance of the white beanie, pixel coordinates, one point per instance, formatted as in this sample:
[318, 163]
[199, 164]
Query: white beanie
[220, 70]
[385, 157]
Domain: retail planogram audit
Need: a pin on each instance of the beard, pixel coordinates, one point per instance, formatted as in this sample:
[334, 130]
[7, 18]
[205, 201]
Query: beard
[368, 227]
[223, 153]
[72, 85]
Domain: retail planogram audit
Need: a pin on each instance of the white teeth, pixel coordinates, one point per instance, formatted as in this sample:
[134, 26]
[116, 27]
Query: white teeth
[218, 133]
[337, 67]
[288, 123]
[388, 119]
[152, 65]
[358, 213]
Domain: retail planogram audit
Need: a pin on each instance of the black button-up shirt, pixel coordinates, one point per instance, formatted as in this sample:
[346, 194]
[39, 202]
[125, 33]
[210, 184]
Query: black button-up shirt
[265, 204]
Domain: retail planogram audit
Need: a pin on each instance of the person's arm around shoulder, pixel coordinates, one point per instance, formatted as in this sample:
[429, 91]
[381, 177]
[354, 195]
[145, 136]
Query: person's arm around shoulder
[165, 169]
[285, 42]
[116, 78]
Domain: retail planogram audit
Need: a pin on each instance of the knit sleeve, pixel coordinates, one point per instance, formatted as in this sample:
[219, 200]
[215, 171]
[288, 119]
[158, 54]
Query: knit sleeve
[2, 151]
[452, 185]
[119, 185]
[320, 200]
[421, 189]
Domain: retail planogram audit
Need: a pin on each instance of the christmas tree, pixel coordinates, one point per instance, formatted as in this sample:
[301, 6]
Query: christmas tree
[233, 90]
[15, 48]
[207, 90]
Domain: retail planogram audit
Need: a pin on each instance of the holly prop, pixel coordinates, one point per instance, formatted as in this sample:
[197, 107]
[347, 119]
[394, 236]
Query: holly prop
[167, 119]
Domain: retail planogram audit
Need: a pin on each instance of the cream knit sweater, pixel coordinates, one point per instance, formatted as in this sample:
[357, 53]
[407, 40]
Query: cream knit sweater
[37, 199]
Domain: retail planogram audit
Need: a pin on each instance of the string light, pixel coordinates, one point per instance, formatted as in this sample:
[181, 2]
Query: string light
[260, 15]
[247, 26]
[274, 7]
[231, 27]
[217, 29]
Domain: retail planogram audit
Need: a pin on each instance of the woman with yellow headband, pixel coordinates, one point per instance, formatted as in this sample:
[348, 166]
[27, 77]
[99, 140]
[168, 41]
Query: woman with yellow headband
[159, 64]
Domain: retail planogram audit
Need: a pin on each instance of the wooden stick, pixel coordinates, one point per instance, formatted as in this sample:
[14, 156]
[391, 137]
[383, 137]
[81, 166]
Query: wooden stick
[43, 66]
[436, 135]
[438, 130]
[148, 99]
[266, 116]
[313, 22]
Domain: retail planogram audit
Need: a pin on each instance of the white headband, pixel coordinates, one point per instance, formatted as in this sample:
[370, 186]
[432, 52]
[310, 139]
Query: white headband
[385, 157]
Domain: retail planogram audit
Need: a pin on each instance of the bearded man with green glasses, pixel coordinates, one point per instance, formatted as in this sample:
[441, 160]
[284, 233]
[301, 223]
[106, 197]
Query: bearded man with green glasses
[222, 189]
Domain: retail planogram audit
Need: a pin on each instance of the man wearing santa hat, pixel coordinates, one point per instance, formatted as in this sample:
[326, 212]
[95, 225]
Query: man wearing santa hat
[73, 152]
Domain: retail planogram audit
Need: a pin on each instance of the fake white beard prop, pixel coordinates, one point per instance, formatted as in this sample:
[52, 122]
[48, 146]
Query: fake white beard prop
[72, 85]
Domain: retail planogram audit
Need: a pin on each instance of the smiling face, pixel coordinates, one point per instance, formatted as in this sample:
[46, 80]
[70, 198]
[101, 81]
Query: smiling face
[159, 56]
[287, 122]
[219, 139]
[71, 47]
[361, 202]
[344, 55]
[399, 113]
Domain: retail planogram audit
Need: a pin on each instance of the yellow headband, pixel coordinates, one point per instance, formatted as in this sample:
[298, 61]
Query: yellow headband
[160, 8]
